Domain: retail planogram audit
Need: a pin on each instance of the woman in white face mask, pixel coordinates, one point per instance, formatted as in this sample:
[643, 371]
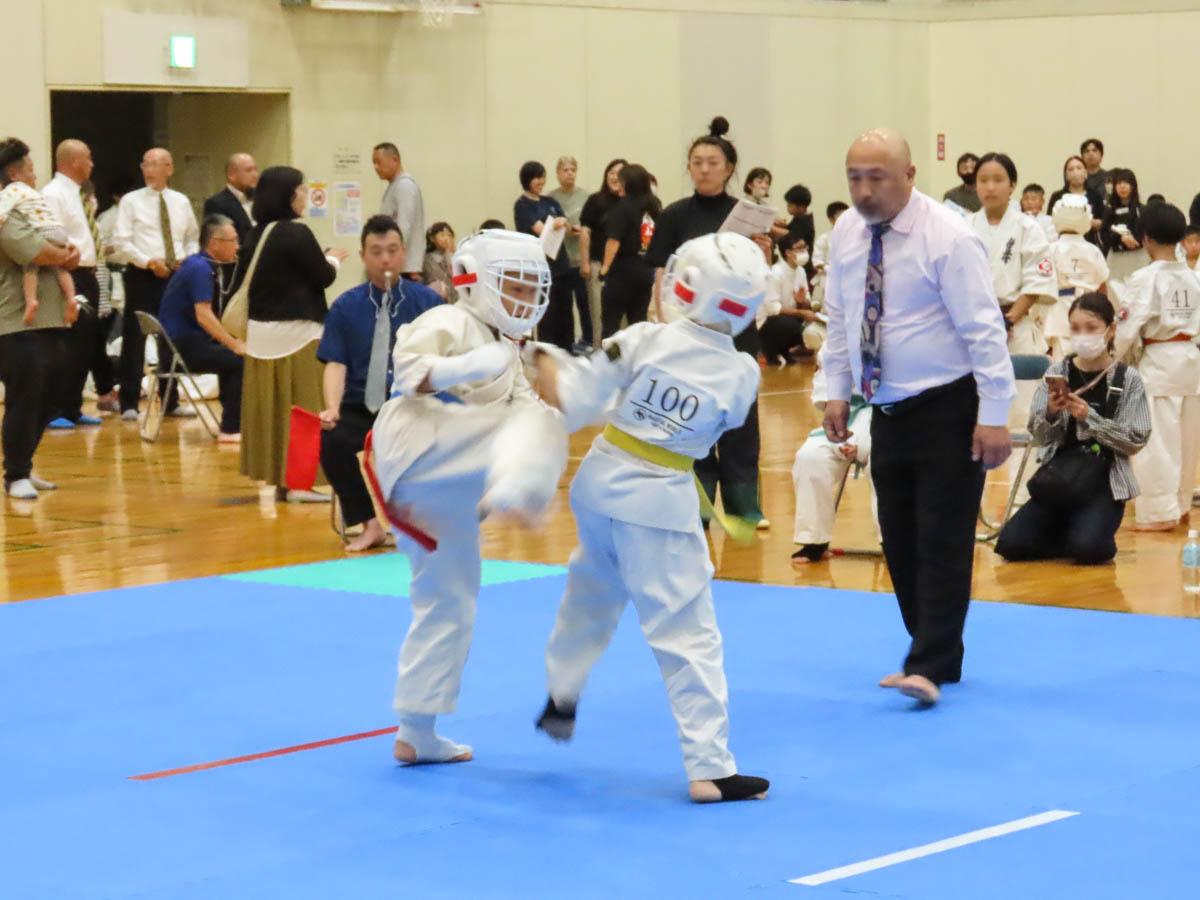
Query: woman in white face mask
[1090, 415]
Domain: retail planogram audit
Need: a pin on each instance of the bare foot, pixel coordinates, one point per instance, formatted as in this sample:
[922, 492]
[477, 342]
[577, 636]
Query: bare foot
[1169, 525]
[704, 792]
[892, 680]
[372, 536]
[920, 688]
[31, 308]
[734, 787]
[406, 753]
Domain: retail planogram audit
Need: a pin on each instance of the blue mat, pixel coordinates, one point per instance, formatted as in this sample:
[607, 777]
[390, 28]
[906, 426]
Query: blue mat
[1061, 709]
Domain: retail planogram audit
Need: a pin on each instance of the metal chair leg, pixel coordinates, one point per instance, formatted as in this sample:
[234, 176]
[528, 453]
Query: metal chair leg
[336, 519]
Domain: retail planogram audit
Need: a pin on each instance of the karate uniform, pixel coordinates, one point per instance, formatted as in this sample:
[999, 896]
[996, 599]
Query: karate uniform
[820, 259]
[819, 467]
[434, 454]
[1081, 269]
[779, 333]
[678, 387]
[1159, 323]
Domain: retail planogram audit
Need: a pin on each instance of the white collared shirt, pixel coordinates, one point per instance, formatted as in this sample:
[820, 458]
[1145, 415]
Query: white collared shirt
[940, 316]
[241, 198]
[138, 236]
[62, 194]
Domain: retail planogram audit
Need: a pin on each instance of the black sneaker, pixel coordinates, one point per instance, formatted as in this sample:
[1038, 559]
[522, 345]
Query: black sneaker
[557, 721]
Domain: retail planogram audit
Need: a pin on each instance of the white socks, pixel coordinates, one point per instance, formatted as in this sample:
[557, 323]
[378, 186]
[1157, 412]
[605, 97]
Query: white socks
[416, 729]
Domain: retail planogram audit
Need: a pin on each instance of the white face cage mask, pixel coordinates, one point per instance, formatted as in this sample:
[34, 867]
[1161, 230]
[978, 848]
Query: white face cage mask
[515, 292]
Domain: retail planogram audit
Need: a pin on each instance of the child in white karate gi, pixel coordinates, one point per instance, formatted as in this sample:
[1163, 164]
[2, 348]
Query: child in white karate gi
[1156, 330]
[668, 392]
[463, 435]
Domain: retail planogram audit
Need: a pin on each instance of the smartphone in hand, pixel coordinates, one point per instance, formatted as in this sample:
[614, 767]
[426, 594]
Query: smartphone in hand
[1057, 384]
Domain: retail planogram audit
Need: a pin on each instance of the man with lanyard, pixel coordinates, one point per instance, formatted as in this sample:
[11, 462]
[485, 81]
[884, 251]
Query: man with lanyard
[190, 314]
[356, 347]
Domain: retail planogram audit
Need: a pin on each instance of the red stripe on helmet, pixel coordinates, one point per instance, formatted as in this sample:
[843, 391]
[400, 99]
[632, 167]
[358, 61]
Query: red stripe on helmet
[465, 278]
[683, 292]
[732, 307]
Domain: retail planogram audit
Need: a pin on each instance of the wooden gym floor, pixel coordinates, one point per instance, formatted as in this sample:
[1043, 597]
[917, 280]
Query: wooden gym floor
[130, 513]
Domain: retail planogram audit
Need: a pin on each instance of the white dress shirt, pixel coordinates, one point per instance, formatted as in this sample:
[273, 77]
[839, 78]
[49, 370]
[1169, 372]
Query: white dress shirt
[138, 237]
[62, 195]
[243, 200]
[940, 316]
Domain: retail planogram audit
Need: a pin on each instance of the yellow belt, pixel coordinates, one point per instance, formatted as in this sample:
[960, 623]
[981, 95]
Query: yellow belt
[735, 526]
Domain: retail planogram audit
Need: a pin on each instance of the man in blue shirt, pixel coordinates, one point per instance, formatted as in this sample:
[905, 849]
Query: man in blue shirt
[190, 320]
[354, 389]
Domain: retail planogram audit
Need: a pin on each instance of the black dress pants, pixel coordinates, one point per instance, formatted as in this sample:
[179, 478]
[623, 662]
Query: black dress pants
[339, 462]
[557, 326]
[67, 400]
[31, 362]
[143, 293]
[579, 290]
[732, 463]
[1086, 534]
[205, 355]
[779, 335]
[626, 293]
[929, 490]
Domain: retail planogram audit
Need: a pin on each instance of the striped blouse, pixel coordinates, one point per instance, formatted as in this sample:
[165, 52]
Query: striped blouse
[1125, 434]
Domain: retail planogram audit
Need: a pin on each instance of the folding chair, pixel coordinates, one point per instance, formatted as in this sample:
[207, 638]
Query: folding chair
[1026, 367]
[177, 372]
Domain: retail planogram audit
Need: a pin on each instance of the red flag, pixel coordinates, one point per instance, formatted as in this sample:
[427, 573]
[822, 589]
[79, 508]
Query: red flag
[304, 449]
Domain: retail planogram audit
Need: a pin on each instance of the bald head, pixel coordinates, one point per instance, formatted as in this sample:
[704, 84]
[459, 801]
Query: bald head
[157, 167]
[241, 171]
[880, 173]
[73, 159]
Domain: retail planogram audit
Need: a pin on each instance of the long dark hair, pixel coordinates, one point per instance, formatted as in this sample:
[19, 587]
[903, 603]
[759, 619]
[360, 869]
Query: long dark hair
[1127, 176]
[273, 196]
[717, 129]
[1099, 306]
[636, 180]
[1003, 160]
[604, 188]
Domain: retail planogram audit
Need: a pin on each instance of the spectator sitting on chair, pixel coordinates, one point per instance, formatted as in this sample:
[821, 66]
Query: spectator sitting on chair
[358, 375]
[188, 317]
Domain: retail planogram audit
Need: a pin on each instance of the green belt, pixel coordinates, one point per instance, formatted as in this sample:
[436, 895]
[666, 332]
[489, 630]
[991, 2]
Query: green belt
[735, 526]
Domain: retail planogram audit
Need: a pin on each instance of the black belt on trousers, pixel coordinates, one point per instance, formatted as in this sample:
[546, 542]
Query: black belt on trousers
[908, 404]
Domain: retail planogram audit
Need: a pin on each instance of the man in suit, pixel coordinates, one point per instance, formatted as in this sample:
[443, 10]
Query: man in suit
[233, 201]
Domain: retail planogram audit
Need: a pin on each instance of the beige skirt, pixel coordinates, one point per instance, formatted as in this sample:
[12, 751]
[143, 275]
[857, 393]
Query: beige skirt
[270, 388]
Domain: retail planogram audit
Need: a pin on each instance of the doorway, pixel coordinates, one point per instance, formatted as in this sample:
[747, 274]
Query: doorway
[201, 129]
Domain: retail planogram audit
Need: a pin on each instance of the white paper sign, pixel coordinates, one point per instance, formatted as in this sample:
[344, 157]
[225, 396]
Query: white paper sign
[749, 218]
[347, 209]
[552, 238]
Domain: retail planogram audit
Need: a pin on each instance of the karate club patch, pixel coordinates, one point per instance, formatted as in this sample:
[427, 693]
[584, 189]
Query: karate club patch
[1045, 267]
[1123, 314]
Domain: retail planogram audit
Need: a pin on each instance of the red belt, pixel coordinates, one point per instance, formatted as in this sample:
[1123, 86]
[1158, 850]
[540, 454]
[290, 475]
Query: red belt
[368, 467]
[1179, 338]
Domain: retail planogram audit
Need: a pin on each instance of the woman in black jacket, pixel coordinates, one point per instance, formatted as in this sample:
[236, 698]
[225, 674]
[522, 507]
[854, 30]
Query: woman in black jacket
[1121, 227]
[286, 311]
[628, 278]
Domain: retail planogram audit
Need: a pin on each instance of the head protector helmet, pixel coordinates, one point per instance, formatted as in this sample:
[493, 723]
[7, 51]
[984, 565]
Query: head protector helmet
[503, 277]
[717, 280]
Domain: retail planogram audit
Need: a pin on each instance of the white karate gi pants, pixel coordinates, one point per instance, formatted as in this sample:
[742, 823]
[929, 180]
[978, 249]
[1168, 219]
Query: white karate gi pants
[668, 576]
[1166, 467]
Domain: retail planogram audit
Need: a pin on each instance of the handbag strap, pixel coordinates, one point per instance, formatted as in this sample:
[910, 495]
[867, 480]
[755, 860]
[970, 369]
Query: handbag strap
[257, 251]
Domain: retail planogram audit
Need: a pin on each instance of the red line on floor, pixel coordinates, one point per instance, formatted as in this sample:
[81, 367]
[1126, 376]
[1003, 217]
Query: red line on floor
[315, 745]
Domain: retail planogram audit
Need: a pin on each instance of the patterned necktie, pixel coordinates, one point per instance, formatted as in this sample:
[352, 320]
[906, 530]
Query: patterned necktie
[872, 370]
[164, 222]
[376, 391]
[92, 226]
